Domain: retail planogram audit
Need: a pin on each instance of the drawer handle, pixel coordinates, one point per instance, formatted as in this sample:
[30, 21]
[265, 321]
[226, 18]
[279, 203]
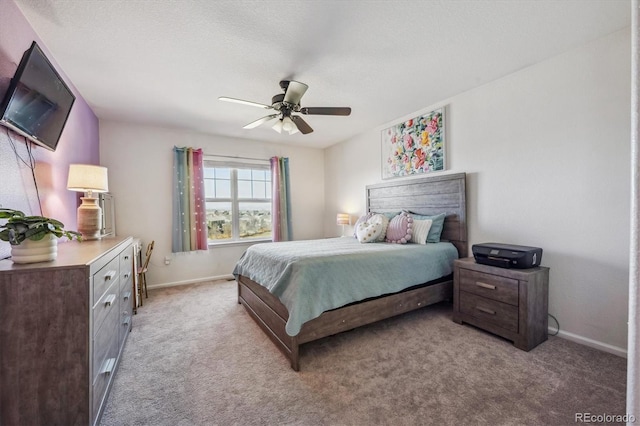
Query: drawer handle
[485, 285]
[126, 257]
[107, 367]
[109, 300]
[485, 310]
[127, 295]
[109, 275]
[126, 275]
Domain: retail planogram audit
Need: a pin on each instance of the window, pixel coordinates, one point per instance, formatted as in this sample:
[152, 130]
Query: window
[238, 201]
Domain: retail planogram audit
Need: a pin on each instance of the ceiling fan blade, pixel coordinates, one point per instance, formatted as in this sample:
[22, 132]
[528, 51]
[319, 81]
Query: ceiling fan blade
[301, 125]
[260, 121]
[326, 111]
[240, 101]
[294, 92]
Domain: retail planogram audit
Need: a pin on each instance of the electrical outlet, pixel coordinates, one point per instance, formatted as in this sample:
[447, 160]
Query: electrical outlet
[167, 260]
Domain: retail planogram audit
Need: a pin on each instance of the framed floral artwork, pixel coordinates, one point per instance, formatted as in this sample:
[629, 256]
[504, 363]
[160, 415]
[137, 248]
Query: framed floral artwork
[415, 146]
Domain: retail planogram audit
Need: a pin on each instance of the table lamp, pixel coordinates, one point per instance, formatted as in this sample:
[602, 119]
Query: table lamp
[88, 178]
[343, 219]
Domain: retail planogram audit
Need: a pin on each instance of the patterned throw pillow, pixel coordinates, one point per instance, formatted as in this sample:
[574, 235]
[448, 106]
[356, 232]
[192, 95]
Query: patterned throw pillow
[384, 221]
[360, 220]
[368, 232]
[400, 229]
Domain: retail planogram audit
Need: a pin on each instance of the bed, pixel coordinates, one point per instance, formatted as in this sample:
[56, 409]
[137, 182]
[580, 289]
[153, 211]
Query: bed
[277, 311]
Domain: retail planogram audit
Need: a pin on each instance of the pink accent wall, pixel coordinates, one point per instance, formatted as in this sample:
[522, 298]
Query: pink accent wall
[79, 142]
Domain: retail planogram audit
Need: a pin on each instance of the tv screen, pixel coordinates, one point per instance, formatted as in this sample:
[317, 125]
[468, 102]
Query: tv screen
[38, 102]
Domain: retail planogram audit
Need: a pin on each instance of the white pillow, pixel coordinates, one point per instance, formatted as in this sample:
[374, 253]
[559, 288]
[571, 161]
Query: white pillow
[368, 232]
[361, 219]
[420, 231]
[384, 221]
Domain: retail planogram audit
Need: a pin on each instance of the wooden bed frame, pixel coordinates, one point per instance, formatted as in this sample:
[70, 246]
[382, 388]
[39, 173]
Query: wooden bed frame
[425, 195]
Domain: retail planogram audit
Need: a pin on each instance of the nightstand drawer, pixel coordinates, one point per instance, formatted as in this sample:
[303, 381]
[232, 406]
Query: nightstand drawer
[491, 286]
[498, 313]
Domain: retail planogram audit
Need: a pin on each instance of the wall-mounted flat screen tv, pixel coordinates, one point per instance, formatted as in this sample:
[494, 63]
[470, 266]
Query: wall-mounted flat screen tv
[38, 102]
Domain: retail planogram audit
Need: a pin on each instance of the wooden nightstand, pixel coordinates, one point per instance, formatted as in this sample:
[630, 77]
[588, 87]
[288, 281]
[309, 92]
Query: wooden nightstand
[512, 303]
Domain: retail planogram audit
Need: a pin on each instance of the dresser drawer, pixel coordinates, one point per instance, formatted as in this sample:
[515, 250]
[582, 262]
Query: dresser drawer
[498, 313]
[105, 344]
[126, 306]
[104, 307]
[126, 295]
[104, 361]
[126, 264]
[104, 278]
[490, 286]
[124, 326]
[126, 280]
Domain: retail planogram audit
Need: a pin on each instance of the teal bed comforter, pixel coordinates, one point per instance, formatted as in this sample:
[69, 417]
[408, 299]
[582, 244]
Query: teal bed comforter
[313, 276]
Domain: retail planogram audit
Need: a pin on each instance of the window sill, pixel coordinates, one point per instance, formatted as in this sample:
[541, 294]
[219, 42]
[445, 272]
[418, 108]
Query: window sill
[238, 243]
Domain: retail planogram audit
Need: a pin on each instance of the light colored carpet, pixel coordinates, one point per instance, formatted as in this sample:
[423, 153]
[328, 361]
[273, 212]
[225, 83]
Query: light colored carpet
[195, 357]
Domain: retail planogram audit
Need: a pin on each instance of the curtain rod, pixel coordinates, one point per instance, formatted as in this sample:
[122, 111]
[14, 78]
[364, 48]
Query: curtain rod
[235, 156]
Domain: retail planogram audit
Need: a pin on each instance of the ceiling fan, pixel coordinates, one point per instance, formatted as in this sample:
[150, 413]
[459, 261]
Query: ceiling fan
[285, 104]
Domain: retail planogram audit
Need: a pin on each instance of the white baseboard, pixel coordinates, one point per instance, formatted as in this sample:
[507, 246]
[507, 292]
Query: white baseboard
[605, 347]
[197, 280]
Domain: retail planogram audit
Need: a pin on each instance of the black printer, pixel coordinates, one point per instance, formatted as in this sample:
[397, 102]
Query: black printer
[507, 255]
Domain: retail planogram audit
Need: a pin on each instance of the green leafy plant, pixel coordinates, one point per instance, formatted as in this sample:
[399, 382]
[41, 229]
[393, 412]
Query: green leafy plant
[20, 227]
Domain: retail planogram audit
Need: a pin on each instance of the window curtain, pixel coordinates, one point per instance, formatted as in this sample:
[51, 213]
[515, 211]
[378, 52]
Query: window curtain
[281, 202]
[189, 213]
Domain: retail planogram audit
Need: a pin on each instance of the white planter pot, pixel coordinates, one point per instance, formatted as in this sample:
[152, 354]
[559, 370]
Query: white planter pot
[44, 250]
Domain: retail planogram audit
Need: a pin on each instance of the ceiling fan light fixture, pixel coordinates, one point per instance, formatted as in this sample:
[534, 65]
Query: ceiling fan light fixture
[288, 125]
[283, 104]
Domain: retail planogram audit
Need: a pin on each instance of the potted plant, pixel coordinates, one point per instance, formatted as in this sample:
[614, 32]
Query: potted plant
[32, 238]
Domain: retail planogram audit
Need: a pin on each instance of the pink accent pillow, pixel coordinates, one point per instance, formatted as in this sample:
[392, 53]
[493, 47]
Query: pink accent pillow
[400, 229]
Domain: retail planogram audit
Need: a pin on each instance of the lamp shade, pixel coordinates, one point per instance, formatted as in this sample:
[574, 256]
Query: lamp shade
[278, 126]
[287, 124]
[343, 219]
[87, 178]
[294, 130]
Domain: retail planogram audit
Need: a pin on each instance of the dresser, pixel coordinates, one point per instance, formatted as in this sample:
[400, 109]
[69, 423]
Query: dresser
[63, 325]
[512, 303]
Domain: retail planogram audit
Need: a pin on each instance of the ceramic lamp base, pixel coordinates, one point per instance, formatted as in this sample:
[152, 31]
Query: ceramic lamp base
[89, 218]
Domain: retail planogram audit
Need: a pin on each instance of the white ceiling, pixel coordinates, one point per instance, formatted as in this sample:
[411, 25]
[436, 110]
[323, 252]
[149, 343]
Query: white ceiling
[166, 62]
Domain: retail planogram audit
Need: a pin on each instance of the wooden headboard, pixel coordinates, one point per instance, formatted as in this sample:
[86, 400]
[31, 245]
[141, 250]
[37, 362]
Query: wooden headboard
[428, 196]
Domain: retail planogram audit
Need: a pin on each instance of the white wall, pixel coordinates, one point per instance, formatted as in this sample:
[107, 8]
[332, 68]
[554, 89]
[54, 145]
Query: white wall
[547, 156]
[140, 163]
